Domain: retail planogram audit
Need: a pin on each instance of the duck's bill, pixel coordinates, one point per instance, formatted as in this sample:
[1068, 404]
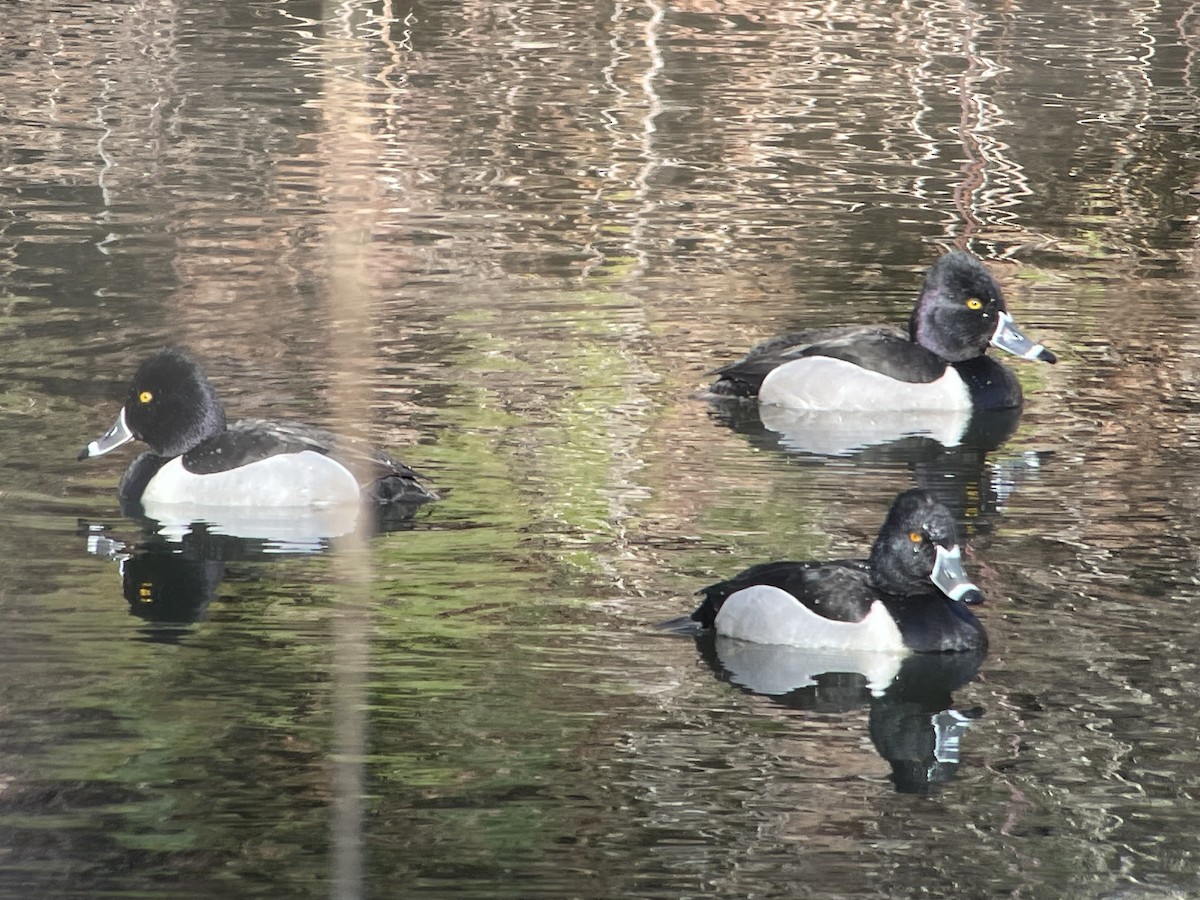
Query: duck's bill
[951, 579]
[1009, 337]
[112, 439]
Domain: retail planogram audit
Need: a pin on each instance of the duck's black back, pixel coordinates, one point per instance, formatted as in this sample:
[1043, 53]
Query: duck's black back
[840, 591]
[875, 348]
[387, 480]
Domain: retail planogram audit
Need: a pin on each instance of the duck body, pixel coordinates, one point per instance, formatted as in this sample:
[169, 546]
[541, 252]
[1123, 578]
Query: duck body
[835, 606]
[939, 365]
[196, 459]
[910, 595]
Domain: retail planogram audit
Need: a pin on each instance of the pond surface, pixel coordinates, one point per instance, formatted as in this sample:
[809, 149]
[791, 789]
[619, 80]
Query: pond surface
[506, 242]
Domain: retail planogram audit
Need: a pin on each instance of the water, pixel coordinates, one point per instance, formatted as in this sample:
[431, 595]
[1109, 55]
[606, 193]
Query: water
[506, 243]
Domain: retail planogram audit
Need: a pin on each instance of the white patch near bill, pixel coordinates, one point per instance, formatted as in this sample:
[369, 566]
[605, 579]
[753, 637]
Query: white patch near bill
[770, 615]
[823, 383]
[299, 480]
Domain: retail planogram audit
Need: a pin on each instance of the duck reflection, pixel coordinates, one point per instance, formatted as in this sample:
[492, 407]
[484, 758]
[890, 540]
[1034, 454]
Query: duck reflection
[173, 579]
[884, 434]
[172, 570]
[912, 722]
[167, 587]
[956, 471]
[300, 530]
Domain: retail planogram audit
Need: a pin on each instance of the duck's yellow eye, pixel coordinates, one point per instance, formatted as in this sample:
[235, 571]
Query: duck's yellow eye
[145, 397]
[974, 303]
[916, 537]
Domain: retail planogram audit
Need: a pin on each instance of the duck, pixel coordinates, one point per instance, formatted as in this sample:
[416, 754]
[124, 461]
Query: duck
[941, 364]
[196, 459]
[910, 595]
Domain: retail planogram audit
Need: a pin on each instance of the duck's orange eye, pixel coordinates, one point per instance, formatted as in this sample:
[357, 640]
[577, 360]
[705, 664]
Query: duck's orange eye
[916, 537]
[974, 303]
[145, 397]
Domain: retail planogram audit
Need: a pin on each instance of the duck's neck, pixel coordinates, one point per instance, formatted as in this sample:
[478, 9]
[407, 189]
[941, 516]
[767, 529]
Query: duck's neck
[889, 577]
[203, 427]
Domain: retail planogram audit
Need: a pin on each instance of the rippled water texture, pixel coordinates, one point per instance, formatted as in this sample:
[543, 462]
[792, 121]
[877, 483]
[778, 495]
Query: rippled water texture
[506, 242]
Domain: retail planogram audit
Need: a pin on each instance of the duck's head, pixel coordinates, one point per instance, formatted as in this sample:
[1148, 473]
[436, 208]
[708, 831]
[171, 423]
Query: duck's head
[171, 407]
[961, 311]
[917, 546]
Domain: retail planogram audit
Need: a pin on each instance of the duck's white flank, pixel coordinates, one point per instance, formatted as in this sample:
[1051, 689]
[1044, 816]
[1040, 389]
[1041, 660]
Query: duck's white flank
[822, 383]
[770, 615]
[302, 480]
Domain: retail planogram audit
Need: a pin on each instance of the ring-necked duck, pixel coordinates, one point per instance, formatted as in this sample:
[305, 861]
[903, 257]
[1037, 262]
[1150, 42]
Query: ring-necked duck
[910, 595]
[195, 458]
[940, 365]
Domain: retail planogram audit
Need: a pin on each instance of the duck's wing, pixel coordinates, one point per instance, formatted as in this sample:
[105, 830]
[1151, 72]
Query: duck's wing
[250, 440]
[743, 377]
[386, 479]
[840, 591]
[886, 351]
[877, 348]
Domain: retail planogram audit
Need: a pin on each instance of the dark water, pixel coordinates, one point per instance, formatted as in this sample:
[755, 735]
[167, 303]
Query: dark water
[552, 219]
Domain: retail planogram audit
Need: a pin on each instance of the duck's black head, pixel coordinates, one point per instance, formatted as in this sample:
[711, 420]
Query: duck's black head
[171, 406]
[917, 549]
[961, 311]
